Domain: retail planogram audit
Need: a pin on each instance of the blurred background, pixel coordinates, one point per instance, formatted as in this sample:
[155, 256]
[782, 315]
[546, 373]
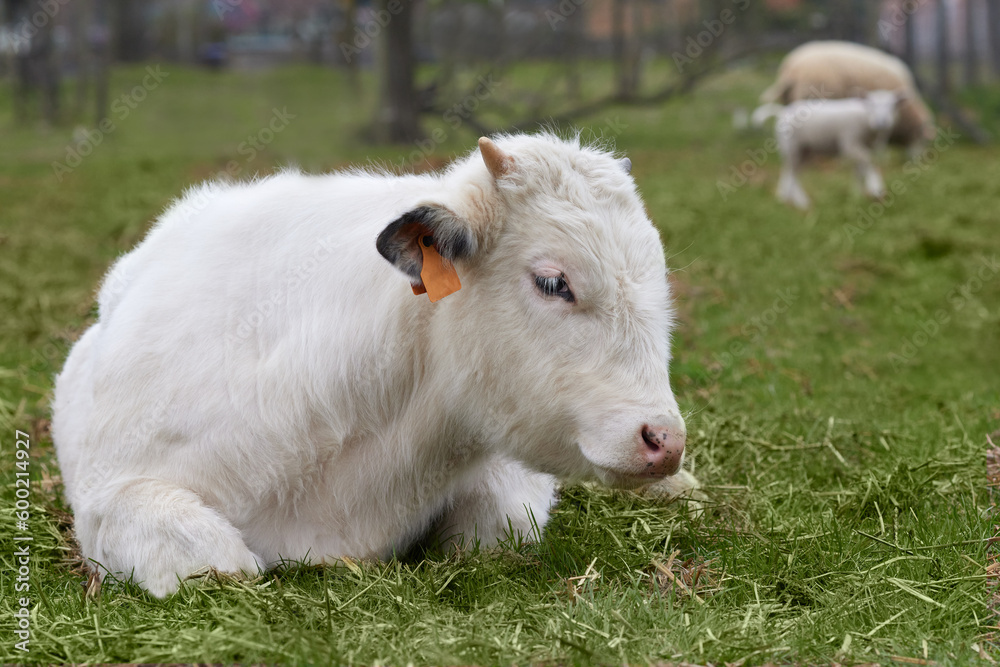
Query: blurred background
[415, 56]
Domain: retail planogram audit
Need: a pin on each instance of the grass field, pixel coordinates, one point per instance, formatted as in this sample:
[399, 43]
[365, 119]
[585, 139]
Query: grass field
[839, 371]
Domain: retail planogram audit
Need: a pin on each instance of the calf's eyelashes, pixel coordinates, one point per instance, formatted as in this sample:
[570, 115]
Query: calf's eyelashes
[555, 286]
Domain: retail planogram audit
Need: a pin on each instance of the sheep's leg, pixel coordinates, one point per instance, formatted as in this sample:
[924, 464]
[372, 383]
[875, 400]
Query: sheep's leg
[867, 172]
[881, 142]
[789, 188]
[502, 500]
[874, 184]
[916, 149]
[158, 534]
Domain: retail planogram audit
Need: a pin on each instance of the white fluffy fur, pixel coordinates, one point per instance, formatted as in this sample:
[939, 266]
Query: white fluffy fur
[848, 127]
[835, 69]
[262, 385]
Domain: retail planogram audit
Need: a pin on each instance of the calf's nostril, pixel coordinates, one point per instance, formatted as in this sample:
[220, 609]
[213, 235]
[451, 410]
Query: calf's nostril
[664, 449]
[651, 438]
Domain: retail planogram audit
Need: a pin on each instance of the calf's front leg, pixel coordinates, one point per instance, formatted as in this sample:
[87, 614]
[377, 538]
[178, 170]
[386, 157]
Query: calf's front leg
[502, 499]
[158, 534]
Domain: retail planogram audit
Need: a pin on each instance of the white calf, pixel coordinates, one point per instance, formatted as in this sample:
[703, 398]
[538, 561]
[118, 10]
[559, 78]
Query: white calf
[850, 127]
[262, 383]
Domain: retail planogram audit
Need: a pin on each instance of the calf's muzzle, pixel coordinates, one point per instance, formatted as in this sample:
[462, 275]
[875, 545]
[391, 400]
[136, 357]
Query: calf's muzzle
[664, 449]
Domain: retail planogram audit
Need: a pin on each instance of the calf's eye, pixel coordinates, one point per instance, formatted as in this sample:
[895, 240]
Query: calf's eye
[554, 286]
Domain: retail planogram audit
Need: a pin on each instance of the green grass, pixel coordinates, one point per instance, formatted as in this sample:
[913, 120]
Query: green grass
[840, 435]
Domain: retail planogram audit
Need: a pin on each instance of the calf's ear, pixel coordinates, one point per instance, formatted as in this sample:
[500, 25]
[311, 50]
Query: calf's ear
[497, 162]
[424, 244]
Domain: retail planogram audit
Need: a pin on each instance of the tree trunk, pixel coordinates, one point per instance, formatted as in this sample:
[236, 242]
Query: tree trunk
[187, 40]
[971, 61]
[100, 43]
[397, 115]
[622, 47]
[48, 65]
[80, 21]
[637, 45]
[17, 13]
[842, 21]
[450, 49]
[129, 26]
[37, 69]
[910, 41]
[675, 32]
[618, 44]
[346, 36]
[863, 25]
[993, 27]
[574, 39]
[943, 57]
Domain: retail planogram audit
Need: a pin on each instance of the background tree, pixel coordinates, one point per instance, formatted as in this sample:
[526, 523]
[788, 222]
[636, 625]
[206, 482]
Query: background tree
[346, 36]
[942, 55]
[128, 22]
[36, 70]
[910, 41]
[397, 119]
[625, 47]
[970, 62]
[99, 40]
[993, 28]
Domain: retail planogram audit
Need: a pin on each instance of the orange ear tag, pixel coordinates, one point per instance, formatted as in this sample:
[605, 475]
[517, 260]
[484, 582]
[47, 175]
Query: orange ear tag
[438, 275]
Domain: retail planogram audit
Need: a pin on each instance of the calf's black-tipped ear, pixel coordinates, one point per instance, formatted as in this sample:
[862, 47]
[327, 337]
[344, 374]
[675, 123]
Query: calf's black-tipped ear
[399, 241]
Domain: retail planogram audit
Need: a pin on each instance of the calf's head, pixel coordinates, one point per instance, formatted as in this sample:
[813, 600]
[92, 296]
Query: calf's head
[556, 348]
[883, 108]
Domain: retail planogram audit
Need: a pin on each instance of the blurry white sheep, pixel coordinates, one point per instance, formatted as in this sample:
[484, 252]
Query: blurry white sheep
[849, 127]
[835, 70]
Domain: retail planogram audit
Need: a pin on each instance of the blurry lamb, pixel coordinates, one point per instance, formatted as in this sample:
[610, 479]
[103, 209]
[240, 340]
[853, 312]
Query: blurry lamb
[848, 127]
[835, 70]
